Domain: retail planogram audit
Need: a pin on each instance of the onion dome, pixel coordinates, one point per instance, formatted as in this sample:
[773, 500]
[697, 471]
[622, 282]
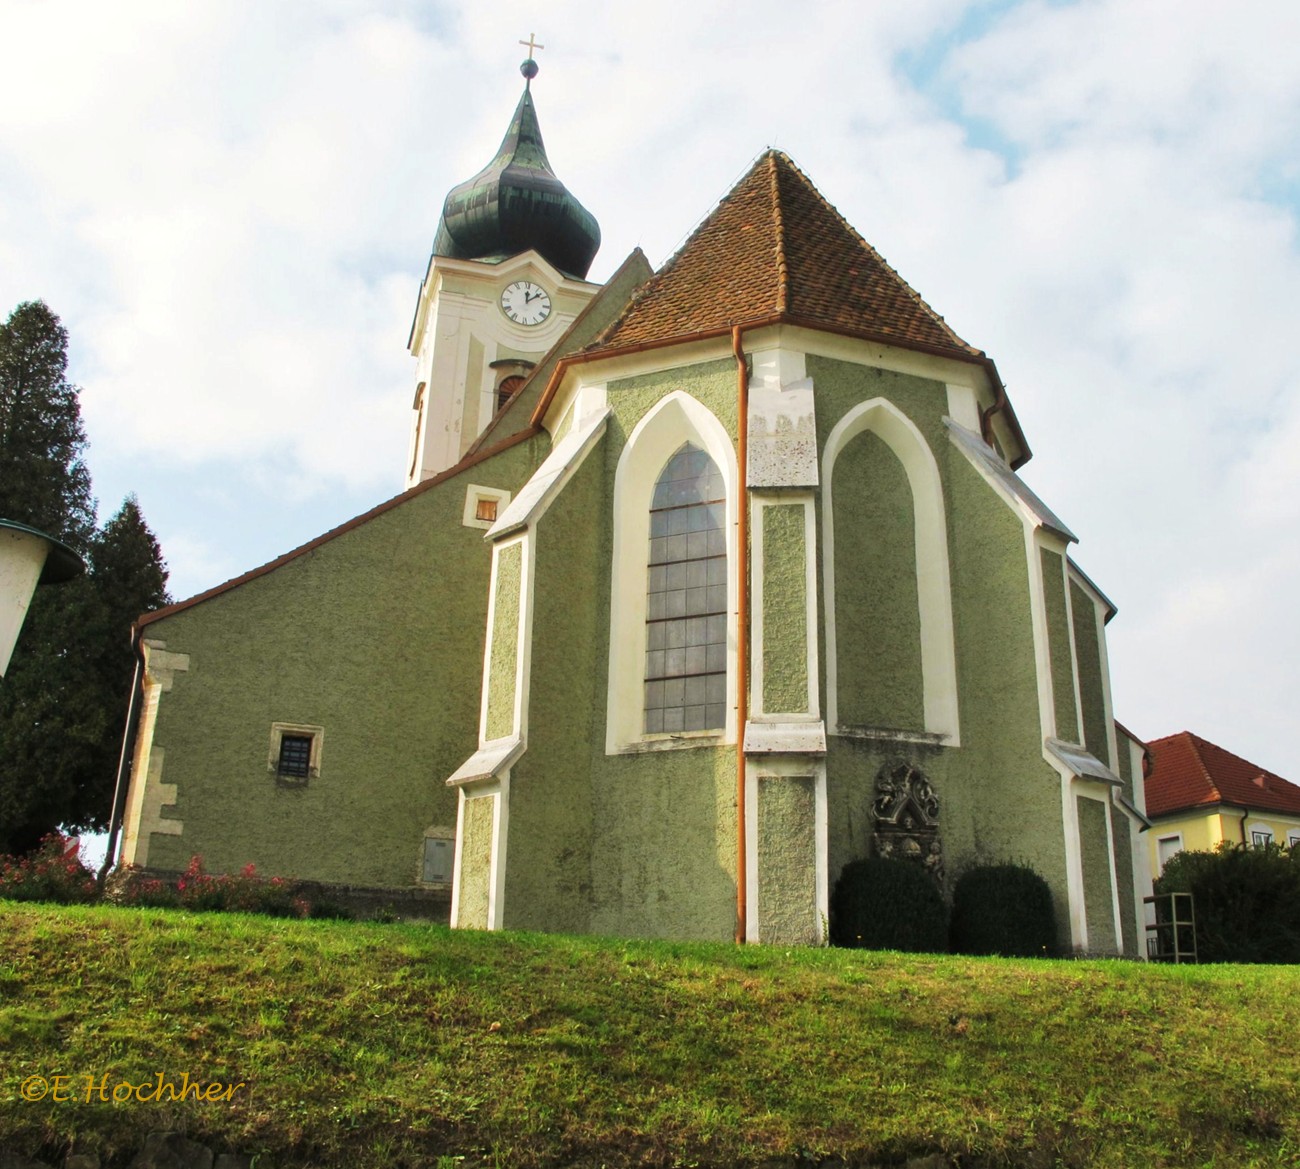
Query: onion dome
[516, 203]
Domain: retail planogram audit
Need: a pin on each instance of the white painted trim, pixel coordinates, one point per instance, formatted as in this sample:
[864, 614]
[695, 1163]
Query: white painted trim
[1072, 786]
[790, 768]
[456, 857]
[499, 792]
[934, 589]
[1042, 645]
[674, 419]
[963, 406]
[1074, 650]
[546, 483]
[794, 338]
[497, 869]
[1257, 825]
[475, 492]
[758, 568]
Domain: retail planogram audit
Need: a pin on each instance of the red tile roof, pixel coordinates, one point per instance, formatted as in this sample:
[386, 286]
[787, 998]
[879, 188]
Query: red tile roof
[1191, 772]
[774, 248]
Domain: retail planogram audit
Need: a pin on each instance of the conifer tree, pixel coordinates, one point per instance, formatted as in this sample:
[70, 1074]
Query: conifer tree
[63, 701]
[43, 481]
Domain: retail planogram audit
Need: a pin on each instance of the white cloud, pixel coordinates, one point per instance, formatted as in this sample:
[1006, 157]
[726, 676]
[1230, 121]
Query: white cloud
[232, 205]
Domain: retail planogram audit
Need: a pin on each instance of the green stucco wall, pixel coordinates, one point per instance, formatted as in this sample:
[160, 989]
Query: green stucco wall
[548, 878]
[785, 609]
[1097, 889]
[1092, 696]
[663, 821]
[504, 659]
[999, 799]
[476, 862]
[877, 616]
[377, 635]
[787, 886]
[1058, 641]
[1125, 833]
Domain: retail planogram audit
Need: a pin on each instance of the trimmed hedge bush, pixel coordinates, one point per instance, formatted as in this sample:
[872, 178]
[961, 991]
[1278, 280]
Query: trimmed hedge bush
[1246, 901]
[888, 904]
[1003, 909]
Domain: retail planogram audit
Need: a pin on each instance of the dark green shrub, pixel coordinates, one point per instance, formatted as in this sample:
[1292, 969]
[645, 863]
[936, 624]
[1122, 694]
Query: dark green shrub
[887, 904]
[1246, 901]
[1003, 909]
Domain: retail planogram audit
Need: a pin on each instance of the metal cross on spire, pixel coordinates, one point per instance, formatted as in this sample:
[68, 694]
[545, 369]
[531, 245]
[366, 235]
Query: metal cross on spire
[532, 44]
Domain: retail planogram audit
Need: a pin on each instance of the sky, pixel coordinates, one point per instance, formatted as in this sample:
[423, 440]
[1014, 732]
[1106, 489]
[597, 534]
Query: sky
[231, 204]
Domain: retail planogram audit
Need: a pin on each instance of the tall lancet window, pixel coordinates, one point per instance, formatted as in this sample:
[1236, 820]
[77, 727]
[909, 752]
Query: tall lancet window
[686, 611]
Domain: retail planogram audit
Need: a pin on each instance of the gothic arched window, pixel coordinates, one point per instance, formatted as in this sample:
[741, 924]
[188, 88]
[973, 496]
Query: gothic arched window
[686, 602]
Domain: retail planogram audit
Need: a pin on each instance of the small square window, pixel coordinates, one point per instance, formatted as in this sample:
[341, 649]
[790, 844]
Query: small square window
[1261, 838]
[295, 756]
[483, 505]
[295, 753]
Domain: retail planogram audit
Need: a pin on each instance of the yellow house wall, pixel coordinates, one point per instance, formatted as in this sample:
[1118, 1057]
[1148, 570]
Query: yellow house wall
[1203, 831]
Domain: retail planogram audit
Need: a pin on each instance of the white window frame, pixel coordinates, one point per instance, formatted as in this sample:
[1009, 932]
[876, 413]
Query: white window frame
[933, 581]
[1256, 829]
[1161, 840]
[474, 494]
[674, 419]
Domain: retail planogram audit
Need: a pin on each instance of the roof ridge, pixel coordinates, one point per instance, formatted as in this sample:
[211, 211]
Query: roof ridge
[665, 269]
[916, 297]
[778, 219]
[1196, 742]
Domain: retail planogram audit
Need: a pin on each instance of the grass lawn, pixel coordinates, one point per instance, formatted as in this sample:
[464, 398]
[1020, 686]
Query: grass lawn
[389, 1045]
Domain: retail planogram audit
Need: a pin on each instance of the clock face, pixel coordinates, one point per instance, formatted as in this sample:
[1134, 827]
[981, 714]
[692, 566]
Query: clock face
[526, 303]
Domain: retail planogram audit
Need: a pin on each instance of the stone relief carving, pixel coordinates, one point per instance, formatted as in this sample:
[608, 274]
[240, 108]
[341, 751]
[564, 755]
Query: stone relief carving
[906, 812]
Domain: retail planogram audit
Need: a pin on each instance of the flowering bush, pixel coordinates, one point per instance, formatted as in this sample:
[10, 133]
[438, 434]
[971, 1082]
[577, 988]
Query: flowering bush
[199, 890]
[53, 873]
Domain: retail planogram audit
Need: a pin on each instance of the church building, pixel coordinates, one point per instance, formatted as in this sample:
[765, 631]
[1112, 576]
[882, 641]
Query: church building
[705, 582]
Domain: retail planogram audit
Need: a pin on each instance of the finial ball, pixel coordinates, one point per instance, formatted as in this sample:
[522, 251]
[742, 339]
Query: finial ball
[529, 69]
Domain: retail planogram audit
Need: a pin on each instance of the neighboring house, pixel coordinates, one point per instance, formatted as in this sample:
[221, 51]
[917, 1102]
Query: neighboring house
[1199, 795]
[706, 583]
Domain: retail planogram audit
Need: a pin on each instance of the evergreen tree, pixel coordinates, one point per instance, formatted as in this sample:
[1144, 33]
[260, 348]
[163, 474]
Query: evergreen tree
[64, 699]
[43, 481]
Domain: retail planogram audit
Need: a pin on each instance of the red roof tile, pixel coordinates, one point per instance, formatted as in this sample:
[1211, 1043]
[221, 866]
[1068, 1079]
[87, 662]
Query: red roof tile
[1191, 772]
[774, 248]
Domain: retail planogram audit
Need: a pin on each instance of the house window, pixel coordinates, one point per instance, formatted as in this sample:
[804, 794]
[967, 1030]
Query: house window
[1169, 847]
[295, 756]
[483, 505]
[1293, 840]
[1261, 837]
[508, 388]
[686, 602]
[295, 752]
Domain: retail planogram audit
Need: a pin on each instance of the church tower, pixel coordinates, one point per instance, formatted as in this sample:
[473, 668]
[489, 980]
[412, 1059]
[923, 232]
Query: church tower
[506, 278]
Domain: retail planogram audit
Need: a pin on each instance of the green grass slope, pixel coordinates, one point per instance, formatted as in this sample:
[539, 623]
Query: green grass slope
[389, 1045]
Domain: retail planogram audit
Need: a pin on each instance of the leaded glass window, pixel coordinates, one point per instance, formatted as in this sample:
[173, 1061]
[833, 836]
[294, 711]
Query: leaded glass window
[686, 610]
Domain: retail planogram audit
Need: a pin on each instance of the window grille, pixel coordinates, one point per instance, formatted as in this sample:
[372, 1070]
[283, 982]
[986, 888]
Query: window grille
[295, 756]
[686, 610]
